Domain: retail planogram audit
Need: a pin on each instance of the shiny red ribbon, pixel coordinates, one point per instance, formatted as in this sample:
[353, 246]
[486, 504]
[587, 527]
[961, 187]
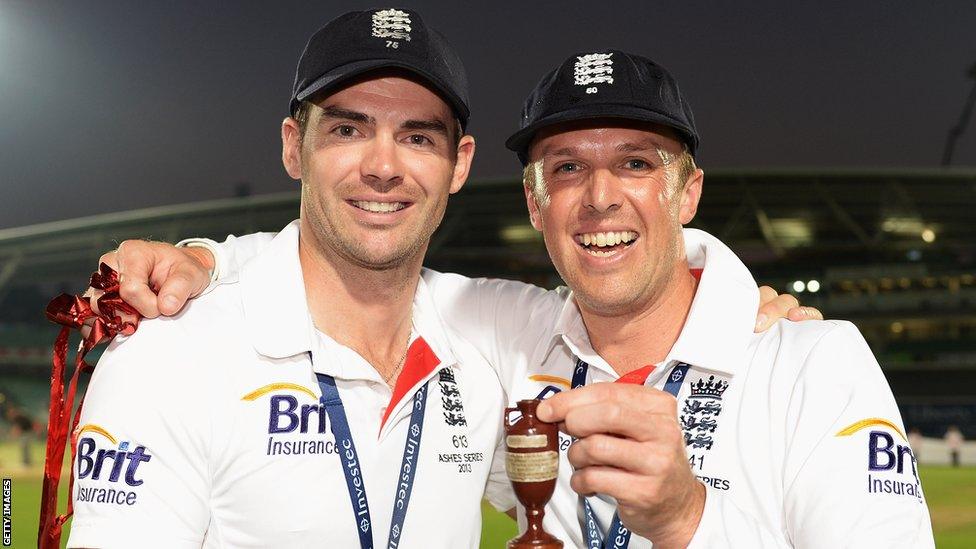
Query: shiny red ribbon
[72, 311]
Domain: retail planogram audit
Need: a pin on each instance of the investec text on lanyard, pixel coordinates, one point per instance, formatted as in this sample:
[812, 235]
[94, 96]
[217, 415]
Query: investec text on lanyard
[352, 468]
[618, 536]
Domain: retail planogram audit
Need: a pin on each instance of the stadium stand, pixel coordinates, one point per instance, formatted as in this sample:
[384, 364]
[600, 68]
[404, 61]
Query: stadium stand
[892, 250]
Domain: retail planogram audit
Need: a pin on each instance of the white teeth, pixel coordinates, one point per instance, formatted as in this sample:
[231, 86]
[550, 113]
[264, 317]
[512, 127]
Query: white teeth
[379, 207]
[605, 239]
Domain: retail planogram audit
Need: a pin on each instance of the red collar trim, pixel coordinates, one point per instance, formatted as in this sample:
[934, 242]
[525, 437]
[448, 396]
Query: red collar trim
[636, 377]
[420, 362]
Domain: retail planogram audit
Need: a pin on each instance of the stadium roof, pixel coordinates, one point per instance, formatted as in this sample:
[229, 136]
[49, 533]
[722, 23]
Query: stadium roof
[894, 250]
[777, 220]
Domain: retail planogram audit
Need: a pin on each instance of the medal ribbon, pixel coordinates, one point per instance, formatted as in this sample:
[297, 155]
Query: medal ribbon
[352, 468]
[618, 536]
[71, 312]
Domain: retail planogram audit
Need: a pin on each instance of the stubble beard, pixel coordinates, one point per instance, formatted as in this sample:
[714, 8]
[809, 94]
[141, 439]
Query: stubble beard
[334, 241]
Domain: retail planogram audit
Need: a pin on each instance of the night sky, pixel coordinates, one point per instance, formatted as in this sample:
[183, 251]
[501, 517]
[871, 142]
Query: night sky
[108, 106]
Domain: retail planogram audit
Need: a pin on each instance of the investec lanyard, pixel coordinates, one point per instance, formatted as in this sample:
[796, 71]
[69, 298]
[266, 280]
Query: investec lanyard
[352, 468]
[618, 536]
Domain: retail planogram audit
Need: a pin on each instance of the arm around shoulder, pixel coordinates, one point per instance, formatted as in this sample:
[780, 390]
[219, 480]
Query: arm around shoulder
[232, 253]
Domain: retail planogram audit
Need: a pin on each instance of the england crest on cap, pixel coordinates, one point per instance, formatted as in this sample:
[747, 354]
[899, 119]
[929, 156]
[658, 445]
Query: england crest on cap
[595, 68]
[604, 84]
[391, 23]
[358, 42]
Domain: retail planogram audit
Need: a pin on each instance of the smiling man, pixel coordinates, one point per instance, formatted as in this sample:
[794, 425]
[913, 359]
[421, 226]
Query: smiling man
[300, 403]
[683, 429]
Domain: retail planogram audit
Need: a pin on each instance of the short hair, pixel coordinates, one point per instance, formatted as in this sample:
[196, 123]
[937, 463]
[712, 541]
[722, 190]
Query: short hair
[685, 165]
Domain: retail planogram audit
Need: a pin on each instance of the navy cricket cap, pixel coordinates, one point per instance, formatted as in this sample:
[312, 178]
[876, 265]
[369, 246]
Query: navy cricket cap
[607, 84]
[361, 41]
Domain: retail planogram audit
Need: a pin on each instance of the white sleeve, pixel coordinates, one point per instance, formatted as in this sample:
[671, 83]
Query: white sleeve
[499, 491]
[141, 470]
[849, 476]
[505, 320]
[230, 254]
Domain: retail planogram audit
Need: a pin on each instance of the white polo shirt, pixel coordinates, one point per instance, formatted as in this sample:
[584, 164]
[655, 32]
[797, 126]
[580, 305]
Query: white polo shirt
[205, 429]
[793, 431]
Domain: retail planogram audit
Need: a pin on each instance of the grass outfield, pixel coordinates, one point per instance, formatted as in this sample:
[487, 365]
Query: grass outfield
[951, 495]
[496, 528]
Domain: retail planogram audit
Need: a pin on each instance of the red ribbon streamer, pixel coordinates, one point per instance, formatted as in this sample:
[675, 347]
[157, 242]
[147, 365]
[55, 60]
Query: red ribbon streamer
[72, 311]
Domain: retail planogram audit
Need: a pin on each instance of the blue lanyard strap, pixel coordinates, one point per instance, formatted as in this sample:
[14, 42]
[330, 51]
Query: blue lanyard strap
[618, 536]
[408, 467]
[352, 468]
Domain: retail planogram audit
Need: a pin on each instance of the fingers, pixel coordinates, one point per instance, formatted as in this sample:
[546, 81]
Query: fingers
[86, 327]
[136, 260]
[601, 479]
[642, 420]
[621, 453]
[188, 277]
[176, 289]
[629, 489]
[110, 259]
[145, 266]
[556, 408]
[766, 294]
[649, 483]
[774, 309]
[798, 314]
[92, 294]
[674, 478]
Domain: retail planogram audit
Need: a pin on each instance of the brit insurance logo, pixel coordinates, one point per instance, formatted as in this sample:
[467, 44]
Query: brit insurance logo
[393, 25]
[112, 463]
[889, 461]
[699, 416]
[592, 69]
[296, 420]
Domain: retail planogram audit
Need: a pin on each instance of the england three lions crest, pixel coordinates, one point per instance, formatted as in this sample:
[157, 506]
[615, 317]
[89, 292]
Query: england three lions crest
[451, 400]
[595, 68]
[391, 23]
[699, 416]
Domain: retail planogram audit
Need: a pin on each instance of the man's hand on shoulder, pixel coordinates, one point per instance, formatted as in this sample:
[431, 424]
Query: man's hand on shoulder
[774, 306]
[157, 278]
[629, 446]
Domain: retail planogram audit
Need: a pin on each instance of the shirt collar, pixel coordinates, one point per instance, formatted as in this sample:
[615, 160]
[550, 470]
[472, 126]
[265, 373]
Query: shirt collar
[276, 307]
[719, 325]
[570, 330]
[273, 293]
[722, 318]
[429, 324]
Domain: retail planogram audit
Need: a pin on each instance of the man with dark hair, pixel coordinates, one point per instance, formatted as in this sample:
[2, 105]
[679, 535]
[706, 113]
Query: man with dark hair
[300, 403]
